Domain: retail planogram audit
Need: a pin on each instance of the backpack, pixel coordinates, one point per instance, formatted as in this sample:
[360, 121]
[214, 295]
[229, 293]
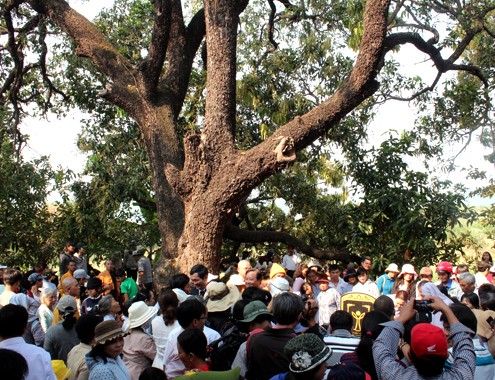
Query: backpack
[223, 351]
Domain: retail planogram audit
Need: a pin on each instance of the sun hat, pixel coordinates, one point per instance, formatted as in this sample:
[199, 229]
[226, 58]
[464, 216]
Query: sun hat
[80, 273]
[67, 305]
[276, 269]
[181, 295]
[140, 313]
[279, 285]
[253, 309]
[392, 268]
[314, 263]
[236, 279]
[60, 369]
[428, 340]
[107, 330]
[33, 277]
[220, 296]
[322, 278]
[426, 271]
[94, 283]
[306, 352]
[407, 269]
[350, 273]
[347, 371]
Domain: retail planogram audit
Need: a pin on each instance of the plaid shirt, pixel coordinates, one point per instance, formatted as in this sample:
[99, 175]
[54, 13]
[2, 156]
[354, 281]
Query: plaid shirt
[385, 349]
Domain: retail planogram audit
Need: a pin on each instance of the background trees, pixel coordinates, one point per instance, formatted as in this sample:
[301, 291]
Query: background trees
[215, 129]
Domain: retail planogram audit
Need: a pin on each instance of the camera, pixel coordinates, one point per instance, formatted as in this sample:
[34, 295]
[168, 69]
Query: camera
[491, 321]
[422, 306]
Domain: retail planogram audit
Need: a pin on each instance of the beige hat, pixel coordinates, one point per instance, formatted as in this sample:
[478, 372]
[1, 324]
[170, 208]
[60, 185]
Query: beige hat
[236, 279]
[407, 269]
[107, 330]
[220, 296]
[392, 268]
[140, 313]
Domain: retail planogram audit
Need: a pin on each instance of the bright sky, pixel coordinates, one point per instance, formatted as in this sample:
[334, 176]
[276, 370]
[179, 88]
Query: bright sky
[57, 137]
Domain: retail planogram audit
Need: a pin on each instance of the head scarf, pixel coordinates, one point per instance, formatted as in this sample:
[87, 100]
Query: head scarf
[431, 290]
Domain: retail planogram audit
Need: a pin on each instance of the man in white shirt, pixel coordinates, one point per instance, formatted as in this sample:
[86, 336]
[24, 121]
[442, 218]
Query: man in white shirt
[191, 313]
[13, 322]
[336, 282]
[483, 270]
[291, 261]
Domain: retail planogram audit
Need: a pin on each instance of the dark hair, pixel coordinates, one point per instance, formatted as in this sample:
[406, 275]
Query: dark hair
[361, 271]
[193, 341]
[70, 243]
[333, 267]
[385, 304]
[69, 321]
[200, 269]
[485, 288]
[13, 366]
[443, 290]
[188, 311]
[168, 302]
[429, 366]
[179, 281]
[257, 294]
[487, 300]
[286, 307]
[98, 351]
[152, 373]
[370, 329]
[472, 298]
[259, 276]
[13, 321]
[489, 255]
[11, 276]
[341, 320]
[402, 294]
[143, 295]
[464, 314]
[238, 309]
[483, 266]
[120, 273]
[85, 327]
[366, 258]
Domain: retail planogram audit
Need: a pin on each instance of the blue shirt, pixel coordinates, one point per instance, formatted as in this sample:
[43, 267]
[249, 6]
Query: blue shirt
[385, 284]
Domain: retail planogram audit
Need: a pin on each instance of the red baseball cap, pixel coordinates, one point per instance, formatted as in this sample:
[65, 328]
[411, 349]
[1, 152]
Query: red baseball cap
[428, 340]
[322, 278]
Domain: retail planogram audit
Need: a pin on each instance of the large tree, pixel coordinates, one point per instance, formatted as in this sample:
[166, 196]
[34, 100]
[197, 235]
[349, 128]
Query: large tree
[202, 176]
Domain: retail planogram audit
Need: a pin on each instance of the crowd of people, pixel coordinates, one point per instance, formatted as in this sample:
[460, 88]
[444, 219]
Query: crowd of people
[276, 318]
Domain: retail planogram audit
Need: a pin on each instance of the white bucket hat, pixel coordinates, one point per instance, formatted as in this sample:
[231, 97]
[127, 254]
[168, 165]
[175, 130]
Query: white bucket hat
[392, 268]
[140, 313]
[407, 269]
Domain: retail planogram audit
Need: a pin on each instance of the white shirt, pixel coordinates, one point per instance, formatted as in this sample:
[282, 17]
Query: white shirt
[291, 262]
[341, 287]
[161, 333]
[38, 360]
[369, 287]
[480, 279]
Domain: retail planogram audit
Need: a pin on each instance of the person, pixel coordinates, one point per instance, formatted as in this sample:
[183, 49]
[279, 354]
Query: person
[45, 311]
[62, 337]
[107, 279]
[363, 355]
[265, 349]
[336, 282]
[34, 333]
[153, 373]
[444, 272]
[71, 288]
[139, 348]
[385, 282]
[35, 281]
[328, 301]
[243, 267]
[191, 344]
[340, 339]
[199, 279]
[93, 286]
[385, 304]
[66, 256]
[426, 290]
[291, 260]
[487, 257]
[481, 276]
[400, 300]
[71, 268]
[257, 318]
[467, 283]
[276, 270]
[81, 258]
[164, 323]
[13, 322]
[220, 299]
[308, 322]
[128, 287]
[253, 278]
[426, 274]
[406, 280]
[308, 357]
[366, 263]
[108, 308]
[278, 285]
[347, 371]
[428, 347]
[104, 361]
[351, 279]
[145, 274]
[311, 277]
[12, 280]
[13, 366]
[191, 313]
[365, 285]
[471, 300]
[76, 359]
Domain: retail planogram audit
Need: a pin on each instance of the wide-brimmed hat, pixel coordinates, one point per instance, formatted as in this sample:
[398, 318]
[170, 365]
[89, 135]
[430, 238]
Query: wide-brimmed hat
[220, 296]
[253, 309]
[279, 285]
[33, 277]
[67, 305]
[181, 295]
[276, 269]
[80, 273]
[350, 273]
[107, 330]
[407, 269]
[140, 313]
[306, 352]
[392, 268]
[314, 263]
[236, 279]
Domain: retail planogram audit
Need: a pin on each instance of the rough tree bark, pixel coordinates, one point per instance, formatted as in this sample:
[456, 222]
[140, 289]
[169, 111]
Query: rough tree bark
[200, 181]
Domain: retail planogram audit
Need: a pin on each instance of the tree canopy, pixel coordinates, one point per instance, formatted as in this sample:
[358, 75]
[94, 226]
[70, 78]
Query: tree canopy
[226, 94]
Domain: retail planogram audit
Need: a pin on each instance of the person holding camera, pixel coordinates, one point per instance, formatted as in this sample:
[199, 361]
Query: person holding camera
[429, 347]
